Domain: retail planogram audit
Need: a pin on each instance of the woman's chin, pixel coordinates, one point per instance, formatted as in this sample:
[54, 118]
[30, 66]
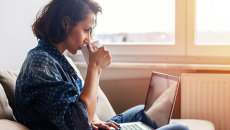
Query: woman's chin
[73, 52]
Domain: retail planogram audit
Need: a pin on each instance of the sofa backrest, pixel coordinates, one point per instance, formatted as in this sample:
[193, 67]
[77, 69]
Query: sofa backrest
[5, 110]
[7, 90]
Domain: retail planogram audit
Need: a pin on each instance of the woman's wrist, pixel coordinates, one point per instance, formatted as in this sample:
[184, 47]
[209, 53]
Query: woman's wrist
[95, 68]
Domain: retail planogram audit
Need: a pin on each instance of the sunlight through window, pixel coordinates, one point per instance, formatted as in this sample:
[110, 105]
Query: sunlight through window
[212, 22]
[136, 22]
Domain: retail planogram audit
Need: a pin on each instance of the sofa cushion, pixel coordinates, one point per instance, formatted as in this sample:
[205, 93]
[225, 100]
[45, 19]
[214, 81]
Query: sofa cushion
[11, 125]
[195, 124]
[5, 109]
[104, 109]
[8, 81]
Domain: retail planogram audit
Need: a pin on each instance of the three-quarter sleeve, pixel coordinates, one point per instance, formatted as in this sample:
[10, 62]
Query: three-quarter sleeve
[56, 99]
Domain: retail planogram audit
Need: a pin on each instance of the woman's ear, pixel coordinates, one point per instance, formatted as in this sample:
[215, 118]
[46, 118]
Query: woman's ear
[66, 23]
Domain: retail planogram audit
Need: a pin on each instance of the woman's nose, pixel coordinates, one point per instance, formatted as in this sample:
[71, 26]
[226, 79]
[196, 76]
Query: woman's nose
[87, 39]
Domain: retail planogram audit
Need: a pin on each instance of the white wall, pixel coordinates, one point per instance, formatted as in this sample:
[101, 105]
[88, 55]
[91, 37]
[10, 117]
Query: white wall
[16, 36]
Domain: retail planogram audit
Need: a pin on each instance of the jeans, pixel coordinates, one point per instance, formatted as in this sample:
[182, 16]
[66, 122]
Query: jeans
[135, 114]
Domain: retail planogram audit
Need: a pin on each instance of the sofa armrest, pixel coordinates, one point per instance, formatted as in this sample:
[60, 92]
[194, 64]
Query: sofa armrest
[11, 125]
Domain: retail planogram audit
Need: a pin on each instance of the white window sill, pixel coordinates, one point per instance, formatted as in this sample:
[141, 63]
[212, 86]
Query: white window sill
[163, 66]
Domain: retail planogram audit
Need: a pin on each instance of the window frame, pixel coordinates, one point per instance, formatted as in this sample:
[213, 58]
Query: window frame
[200, 50]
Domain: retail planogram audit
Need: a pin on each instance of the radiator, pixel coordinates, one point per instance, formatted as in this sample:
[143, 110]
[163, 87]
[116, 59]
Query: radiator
[206, 97]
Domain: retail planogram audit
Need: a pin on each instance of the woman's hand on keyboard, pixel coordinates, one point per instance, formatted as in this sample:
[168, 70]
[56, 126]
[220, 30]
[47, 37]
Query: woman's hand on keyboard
[97, 123]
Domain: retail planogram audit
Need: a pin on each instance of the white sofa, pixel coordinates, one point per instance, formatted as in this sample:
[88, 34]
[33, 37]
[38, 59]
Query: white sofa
[104, 109]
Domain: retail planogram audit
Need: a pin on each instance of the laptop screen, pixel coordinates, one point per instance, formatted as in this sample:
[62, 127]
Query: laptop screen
[161, 97]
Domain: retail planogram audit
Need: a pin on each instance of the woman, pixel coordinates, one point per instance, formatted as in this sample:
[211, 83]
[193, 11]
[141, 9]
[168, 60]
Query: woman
[49, 95]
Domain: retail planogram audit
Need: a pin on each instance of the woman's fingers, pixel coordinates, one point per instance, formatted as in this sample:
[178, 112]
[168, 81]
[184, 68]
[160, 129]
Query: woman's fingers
[100, 57]
[105, 56]
[116, 124]
[90, 48]
[113, 124]
[107, 59]
[106, 126]
[94, 127]
[103, 126]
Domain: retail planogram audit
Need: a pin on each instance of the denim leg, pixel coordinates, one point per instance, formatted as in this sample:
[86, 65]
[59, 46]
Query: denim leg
[130, 115]
[133, 114]
[173, 126]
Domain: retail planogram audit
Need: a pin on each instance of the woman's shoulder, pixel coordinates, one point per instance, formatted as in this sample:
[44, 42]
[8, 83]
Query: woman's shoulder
[38, 53]
[38, 59]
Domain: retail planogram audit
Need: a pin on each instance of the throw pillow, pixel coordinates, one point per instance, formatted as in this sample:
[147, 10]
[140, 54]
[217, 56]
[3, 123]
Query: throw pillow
[5, 109]
[8, 81]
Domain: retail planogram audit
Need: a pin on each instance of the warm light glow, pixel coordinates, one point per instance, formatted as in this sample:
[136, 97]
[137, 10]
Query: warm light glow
[148, 21]
[213, 22]
[136, 16]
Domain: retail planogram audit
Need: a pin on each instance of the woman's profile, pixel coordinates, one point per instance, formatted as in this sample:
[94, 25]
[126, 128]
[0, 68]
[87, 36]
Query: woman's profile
[49, 94]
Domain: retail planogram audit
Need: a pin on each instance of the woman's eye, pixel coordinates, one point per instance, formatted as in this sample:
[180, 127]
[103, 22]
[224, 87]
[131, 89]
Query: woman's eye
[87, 30]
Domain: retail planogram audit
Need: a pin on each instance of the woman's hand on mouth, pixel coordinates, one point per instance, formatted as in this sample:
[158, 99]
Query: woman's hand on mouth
[99, 58]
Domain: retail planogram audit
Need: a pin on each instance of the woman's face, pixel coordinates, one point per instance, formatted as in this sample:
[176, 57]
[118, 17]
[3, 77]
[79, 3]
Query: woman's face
[80, 35]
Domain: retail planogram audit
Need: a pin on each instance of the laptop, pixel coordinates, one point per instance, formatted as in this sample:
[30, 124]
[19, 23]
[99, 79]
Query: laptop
[160, 100]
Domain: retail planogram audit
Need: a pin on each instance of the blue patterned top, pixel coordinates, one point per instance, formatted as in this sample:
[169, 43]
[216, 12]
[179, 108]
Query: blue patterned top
[47, 92]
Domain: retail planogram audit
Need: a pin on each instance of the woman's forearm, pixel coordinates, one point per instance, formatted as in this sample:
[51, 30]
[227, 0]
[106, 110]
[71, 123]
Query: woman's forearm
[90, 90]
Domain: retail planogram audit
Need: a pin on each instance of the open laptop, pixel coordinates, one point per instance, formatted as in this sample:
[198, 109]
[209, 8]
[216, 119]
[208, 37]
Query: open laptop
[159, 102]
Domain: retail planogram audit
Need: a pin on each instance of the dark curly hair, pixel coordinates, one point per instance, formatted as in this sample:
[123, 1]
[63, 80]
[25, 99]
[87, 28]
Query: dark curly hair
[48, 23]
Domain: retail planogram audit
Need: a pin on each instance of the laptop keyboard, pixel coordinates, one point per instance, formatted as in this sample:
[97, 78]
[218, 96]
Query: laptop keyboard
[132, 127]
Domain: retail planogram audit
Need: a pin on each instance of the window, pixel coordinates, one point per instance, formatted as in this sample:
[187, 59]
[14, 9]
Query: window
[201, 29]
[208, 29]
[212, 22]
[142, 27]
[132, 22]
